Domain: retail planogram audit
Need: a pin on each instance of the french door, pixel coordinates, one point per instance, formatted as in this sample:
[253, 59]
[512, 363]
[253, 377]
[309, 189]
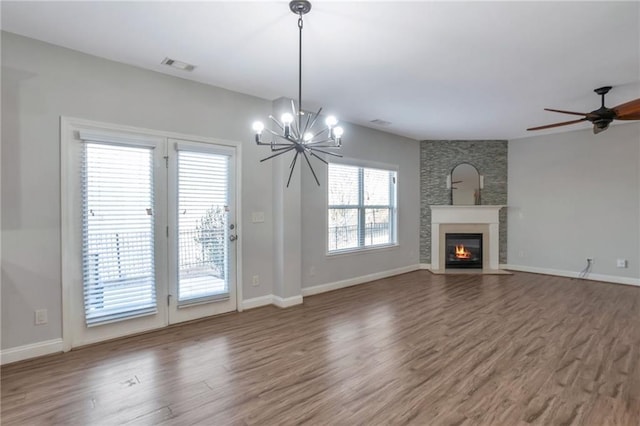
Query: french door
[150, 233]
[202, 259]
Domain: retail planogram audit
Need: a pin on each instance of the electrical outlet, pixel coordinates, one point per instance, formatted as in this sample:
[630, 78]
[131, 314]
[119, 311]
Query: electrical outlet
[590, 260]
[521, 253]
[41, 317]
[312, 271]
[621, 263]
[256, 280]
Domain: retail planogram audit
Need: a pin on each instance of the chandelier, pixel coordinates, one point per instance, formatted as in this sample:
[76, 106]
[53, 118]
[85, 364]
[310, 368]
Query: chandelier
[300, 131]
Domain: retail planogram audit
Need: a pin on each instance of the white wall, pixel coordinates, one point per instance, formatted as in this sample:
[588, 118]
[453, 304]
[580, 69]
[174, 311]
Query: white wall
[40, 83]
[366, 144]
[576, 195]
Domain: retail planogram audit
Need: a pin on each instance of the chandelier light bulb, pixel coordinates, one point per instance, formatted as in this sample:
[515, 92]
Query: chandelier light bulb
[258, 127]
[331, 121]
[287, 118]
[338, 132]
[307, 136]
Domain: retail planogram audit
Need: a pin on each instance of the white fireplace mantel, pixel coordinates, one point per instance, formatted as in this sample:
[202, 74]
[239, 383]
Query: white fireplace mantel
[484, 219]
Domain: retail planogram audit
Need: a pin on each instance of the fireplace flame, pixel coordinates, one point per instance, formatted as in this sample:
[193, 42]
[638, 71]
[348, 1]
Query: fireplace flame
[462, 253]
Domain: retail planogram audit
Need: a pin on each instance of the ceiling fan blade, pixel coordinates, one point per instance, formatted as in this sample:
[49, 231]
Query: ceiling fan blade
[564, 123]
[566, 112]
[628, 110]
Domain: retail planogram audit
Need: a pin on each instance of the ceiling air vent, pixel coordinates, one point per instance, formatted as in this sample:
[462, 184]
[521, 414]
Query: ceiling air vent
[379, 122]
[178, 64]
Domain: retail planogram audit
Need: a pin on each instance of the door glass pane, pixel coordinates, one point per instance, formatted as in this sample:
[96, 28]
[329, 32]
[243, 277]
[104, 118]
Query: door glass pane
[203, 228]
[118, 240]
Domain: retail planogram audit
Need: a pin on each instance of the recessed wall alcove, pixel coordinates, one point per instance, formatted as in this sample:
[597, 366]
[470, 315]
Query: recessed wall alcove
[437, 160]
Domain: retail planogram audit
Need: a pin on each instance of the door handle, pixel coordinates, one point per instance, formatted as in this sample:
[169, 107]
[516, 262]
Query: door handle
[233, 237]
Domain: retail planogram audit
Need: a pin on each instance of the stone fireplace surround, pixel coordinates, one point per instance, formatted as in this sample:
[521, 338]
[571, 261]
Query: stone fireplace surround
[466, 219]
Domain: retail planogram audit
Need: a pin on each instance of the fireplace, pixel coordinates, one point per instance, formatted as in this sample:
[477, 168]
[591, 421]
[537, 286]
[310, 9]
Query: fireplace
[465, 219]
[463, 250]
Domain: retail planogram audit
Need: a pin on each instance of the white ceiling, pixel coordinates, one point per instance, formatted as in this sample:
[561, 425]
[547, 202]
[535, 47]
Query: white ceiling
[435, 70]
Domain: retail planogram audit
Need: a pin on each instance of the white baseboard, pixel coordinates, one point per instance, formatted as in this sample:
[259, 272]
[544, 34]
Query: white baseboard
[322, 288]
[32, 350]
[572, 274]
[257, 302]
[270, 299]
[287, 302]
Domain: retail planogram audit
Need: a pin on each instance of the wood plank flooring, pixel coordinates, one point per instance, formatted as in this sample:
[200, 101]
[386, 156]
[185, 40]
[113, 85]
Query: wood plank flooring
[418, 349]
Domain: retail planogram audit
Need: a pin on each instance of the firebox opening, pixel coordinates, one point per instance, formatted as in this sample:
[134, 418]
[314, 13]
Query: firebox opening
[463, 250]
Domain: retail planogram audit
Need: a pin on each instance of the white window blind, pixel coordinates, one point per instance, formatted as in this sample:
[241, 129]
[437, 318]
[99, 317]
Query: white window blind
[362, 207]
[203, 199]
[118, 232]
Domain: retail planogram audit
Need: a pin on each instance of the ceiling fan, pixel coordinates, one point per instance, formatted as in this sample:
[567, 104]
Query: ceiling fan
[601, 117]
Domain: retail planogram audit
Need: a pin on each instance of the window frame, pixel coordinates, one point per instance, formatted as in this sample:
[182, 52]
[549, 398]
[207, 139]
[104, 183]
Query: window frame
[362, 207]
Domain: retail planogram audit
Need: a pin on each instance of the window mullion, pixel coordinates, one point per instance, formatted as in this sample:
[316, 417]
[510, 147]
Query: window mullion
[361, 209]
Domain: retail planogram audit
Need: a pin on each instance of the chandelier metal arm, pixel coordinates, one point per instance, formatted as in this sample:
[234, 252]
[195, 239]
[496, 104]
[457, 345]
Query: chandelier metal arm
[321, 144]
[327, 152]
[295, 125]
[275, 120]
[271, 144]
[310, 167]
[278, 135]
[292, 166]
[286, 146]
[319, 133]
[315, 117]
[318, 157]
[279, 153]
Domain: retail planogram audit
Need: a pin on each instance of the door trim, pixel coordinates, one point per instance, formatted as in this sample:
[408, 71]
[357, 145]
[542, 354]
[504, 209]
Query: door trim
[69, 126]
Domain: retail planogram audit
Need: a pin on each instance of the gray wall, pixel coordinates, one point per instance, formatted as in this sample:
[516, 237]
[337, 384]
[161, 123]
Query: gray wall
[576, 195]
[366, 144]
[437, 160]
[41, 82]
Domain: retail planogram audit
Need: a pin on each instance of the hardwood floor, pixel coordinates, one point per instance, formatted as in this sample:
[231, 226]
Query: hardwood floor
[417, 349]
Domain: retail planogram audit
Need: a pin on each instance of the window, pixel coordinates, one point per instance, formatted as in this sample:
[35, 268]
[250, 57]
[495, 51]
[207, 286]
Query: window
[362, 207]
